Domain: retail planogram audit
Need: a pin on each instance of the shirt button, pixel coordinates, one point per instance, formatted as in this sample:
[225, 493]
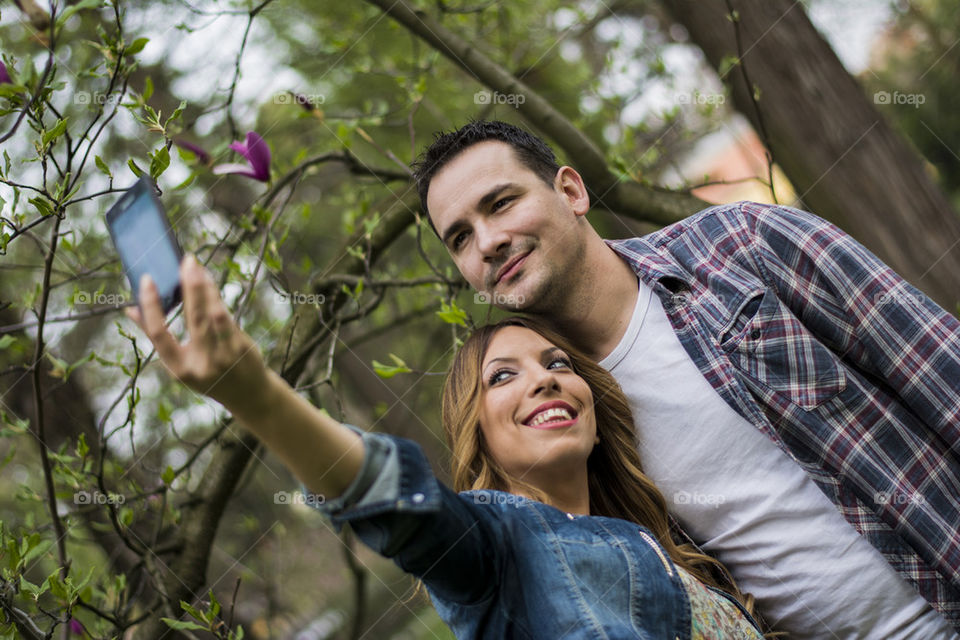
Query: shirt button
[418, 498]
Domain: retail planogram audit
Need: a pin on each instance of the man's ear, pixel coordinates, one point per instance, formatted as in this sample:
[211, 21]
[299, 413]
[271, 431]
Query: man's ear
[570, 184]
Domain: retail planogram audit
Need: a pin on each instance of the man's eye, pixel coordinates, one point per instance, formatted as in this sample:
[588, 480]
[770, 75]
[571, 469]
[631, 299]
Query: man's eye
[459, 239]
[501, 203]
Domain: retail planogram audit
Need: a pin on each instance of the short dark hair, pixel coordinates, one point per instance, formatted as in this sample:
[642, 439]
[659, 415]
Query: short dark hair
[531, 151]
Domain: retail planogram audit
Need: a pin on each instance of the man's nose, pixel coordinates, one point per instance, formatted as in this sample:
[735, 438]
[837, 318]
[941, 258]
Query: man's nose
[492, 241]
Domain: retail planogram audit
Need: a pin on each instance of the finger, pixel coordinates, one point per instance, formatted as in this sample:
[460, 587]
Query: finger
[134, 314]
[154, 323]
[194, 298]
[221, 324]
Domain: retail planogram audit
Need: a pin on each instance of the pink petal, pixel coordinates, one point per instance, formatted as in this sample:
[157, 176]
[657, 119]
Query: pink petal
[239, 169]
[258, 153]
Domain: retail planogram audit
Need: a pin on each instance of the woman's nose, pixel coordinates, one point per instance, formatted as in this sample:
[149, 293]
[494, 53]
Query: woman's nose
[546, 382]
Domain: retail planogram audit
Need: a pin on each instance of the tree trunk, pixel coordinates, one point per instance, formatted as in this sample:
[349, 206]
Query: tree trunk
[846, 162]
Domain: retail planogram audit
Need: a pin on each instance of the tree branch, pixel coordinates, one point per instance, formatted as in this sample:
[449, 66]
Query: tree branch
[630, 199]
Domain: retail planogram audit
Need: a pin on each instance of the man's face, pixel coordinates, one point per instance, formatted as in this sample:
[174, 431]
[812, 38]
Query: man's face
[514, 238]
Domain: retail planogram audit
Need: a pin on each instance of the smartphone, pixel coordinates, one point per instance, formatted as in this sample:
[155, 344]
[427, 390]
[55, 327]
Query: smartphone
[145, 241]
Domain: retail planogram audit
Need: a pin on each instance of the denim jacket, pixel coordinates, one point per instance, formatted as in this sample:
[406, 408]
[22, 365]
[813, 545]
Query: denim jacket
[501, 566]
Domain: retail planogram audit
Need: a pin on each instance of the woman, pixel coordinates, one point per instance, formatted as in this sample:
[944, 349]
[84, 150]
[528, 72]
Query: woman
[556, 533]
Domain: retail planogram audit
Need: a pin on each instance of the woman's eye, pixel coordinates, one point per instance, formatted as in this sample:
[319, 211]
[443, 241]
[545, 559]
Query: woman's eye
[498, 376]
[563, 362]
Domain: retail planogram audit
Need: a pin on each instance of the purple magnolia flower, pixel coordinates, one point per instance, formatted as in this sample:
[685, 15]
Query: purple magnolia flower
[202, 156]
[257, 154]
[75, 627]
[4, 76]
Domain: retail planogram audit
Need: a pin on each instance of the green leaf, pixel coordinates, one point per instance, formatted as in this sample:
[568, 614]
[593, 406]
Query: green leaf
[82, 447]
[56, 132]
[159, 162]
[103, 167]
[387, 371]
[147, 88]
[137, 171]
[168, 475]
[214, 605]
[180, 625]
[84, 4]
[452, 314]
[136, 46]
[57, 588]
[193, 611]
[6, 341]
[42, 205]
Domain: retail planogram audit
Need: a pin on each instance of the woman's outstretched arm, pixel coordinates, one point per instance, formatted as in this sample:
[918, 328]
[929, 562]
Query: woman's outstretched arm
[221, 361]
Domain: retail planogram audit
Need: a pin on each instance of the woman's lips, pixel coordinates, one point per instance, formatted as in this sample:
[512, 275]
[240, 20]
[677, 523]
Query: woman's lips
[554, 406]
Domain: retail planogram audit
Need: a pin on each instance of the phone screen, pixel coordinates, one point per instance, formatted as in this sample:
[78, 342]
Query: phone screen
[146, 244]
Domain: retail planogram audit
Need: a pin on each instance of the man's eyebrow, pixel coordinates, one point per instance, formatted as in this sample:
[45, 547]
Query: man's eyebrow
[482, 203]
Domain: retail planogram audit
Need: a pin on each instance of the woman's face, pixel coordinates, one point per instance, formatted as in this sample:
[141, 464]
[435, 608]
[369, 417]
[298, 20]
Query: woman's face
[536, 414]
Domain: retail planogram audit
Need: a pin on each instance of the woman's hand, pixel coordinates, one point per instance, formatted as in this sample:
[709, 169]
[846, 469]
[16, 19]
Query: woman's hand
[219, 360]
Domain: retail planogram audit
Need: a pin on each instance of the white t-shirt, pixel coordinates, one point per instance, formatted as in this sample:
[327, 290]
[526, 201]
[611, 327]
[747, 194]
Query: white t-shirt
[753, 508]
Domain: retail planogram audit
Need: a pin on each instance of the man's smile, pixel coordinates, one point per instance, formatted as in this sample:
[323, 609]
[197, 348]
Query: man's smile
[511, 267]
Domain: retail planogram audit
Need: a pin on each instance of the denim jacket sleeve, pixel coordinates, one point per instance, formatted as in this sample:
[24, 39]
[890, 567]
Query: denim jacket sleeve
[398, 508]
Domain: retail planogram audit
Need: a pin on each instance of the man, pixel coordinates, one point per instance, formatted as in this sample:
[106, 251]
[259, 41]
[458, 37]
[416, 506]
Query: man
[796, 401]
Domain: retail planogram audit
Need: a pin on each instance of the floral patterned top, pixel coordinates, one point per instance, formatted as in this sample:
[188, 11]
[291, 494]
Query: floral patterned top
[713, 616]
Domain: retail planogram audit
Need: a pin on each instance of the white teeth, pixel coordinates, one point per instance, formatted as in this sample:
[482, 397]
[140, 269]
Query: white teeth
[554, 414]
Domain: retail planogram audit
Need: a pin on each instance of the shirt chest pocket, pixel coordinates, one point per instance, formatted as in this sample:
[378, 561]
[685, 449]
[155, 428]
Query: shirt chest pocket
[778, 355]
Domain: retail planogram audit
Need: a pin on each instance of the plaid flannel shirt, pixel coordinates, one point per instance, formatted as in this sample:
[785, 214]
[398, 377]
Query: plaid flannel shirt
[850, 370]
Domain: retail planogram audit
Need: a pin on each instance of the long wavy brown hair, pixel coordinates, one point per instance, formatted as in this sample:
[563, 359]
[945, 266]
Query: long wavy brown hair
[618, 487]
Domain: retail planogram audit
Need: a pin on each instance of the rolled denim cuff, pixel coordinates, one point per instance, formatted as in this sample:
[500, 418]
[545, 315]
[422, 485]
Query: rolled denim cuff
[378, 478]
